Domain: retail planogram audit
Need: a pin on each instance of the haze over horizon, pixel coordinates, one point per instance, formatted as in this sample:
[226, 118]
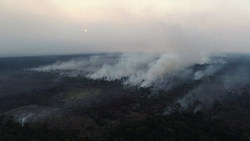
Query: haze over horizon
[35, 27]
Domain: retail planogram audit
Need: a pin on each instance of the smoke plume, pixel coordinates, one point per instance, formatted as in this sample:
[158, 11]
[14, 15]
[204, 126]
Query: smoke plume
[136, 69]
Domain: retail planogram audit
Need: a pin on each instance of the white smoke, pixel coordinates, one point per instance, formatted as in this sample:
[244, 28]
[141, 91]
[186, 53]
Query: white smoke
[77, 66]
[128, 65]
[25, 118]
[144, 69]
[30, 113]
[135, 69]
[229, 84]
[208, 71]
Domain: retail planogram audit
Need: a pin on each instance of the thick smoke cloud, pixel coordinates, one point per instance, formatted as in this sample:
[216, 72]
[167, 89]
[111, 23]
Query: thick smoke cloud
[144, 69]
[135, 69]
[214, 79]
[159, 41]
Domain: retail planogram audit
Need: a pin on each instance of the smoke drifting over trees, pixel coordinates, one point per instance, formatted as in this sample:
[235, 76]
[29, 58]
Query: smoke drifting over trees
[163, 72]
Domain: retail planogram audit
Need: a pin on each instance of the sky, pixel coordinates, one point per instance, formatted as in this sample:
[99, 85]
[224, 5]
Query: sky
[47, 27]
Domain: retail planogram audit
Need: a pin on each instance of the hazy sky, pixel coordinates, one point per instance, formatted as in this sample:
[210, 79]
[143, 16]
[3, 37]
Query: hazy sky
[37, 27]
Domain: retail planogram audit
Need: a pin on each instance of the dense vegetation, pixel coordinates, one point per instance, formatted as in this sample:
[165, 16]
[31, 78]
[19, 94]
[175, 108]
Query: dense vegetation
[67, 108]
[176, 127]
